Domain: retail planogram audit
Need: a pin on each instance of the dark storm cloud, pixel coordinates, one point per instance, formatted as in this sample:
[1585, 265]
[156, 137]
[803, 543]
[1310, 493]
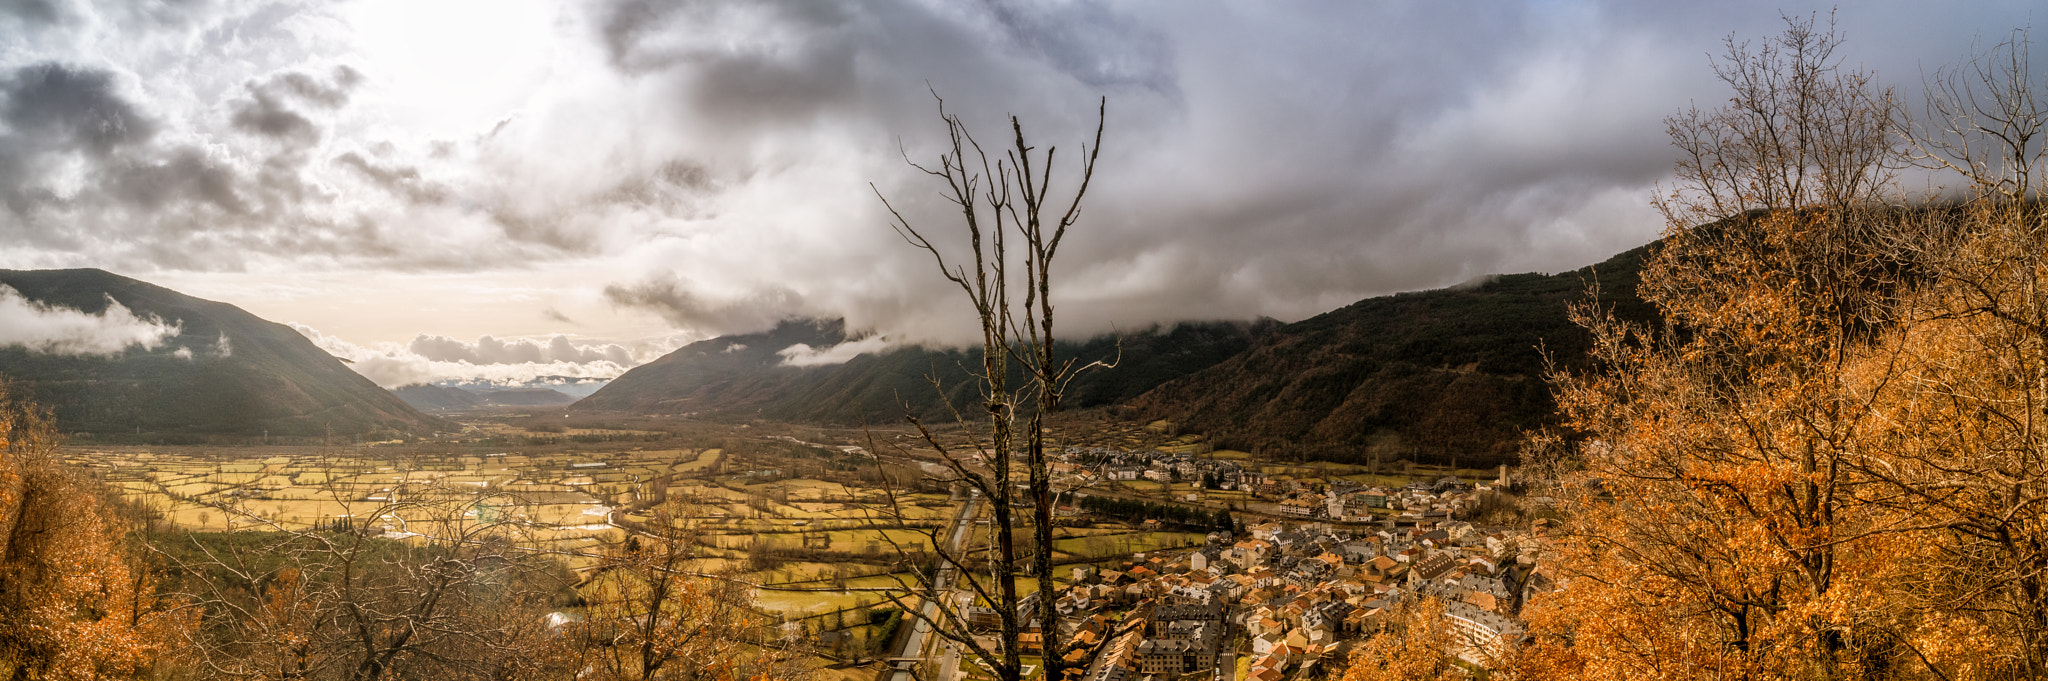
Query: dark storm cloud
[58, 105]
[60, 115]
[1093, 44]
[711, 159]
[739, 81]
[269, 110]
[674, 300]
[1261, 159]
[184, 176]
[399, 180]
[34, 11]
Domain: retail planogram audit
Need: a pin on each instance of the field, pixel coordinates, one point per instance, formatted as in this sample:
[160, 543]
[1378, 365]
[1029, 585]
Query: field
[556, 500]
[819, 527]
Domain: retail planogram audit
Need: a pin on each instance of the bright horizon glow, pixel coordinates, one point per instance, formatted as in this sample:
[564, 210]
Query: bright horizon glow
[452, 68]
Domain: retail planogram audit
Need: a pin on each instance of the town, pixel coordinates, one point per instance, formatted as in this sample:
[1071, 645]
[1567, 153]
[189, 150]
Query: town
[1286, 598]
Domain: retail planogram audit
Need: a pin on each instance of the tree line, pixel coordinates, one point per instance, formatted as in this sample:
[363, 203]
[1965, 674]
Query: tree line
[1829, 459]
[1135, 510]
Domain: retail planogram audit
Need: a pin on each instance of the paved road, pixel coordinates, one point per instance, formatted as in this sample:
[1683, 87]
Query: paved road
[921, 633]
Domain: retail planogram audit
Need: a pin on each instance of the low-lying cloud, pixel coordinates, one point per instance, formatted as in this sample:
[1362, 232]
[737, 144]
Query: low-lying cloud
[489, 350]
[686, 307]
[803, 355]
[65, 331]
[501, 362]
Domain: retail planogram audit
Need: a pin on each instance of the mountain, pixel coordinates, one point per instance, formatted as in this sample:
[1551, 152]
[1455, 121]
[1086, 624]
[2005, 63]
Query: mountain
[427, 397]
[1451, 375]
[526, 397]
[226, 372]
[746, 375]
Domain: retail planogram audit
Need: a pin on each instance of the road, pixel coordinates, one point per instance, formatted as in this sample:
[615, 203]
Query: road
[921, 632]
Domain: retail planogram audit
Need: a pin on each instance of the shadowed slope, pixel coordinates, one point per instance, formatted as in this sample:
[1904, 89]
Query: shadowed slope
[238, 374]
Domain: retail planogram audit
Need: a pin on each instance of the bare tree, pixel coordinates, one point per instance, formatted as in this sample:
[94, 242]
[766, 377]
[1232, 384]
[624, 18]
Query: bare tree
[1984, 121]
[1014, 227]
[646, 616]
[1797, 131]
[426, 584]
[1969, 453]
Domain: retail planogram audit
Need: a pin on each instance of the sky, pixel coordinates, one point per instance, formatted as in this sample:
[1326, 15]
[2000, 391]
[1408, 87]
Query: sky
[501, 189]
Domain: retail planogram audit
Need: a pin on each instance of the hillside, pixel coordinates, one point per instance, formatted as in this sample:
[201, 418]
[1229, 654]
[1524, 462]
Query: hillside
[226, 372]
[1447, 375]
[745, 376]
[1435, 375]
[526, 397]
[427, 397]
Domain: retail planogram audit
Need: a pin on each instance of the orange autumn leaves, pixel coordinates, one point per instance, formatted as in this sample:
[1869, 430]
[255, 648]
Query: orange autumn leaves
[1785, 491]
[72, 606]
[1831, 462]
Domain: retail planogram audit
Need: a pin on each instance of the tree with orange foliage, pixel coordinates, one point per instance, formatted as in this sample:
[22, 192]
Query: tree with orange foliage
[1832, 462]
[1417, 644]
[1718, 527]
[73, 602]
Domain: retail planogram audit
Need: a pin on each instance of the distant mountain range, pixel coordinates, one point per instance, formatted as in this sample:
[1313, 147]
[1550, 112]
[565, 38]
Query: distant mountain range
[1453, 374]
[1448, 375]
[226, 372]
[436, 398]
[747, 375]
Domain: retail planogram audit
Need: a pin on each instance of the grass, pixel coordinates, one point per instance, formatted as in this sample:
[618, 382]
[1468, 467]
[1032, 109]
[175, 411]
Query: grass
[803, 603]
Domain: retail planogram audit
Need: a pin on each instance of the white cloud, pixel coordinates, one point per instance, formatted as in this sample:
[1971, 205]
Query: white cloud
[803, 355]
[505, 362]
[490, 350]
[65, 331]
[709, 162]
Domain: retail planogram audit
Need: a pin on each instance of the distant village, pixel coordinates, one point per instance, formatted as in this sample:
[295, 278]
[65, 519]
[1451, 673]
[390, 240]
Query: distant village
[1295, 594]
[1337, 500]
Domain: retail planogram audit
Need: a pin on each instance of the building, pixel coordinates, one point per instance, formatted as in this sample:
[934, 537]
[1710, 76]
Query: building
[1482, 635]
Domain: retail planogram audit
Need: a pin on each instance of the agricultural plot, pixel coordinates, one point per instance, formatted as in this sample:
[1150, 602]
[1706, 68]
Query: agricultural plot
[560, 501]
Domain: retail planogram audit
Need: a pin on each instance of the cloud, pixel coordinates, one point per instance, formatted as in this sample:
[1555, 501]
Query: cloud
[64, 105]
[803, 355]
[488, 350]
[707, 164]
[65, 331]
[504, 362]
[675, 300]
[268, 111]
